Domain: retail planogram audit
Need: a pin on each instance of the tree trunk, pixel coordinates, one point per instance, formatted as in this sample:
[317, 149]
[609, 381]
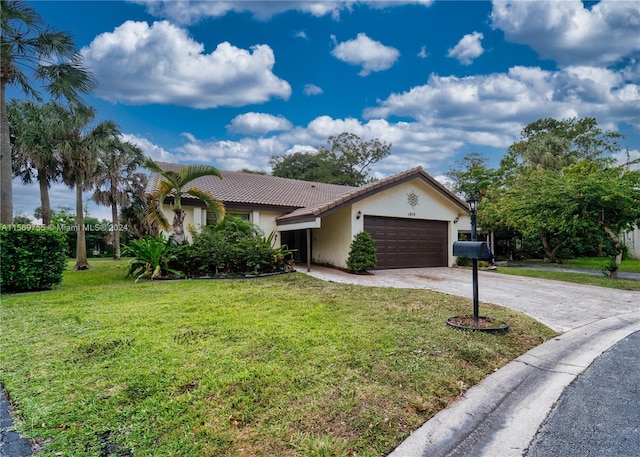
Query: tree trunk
[81, 244]
[618, 245]
[178, 227]
[114, 220]
[45, 205]
[550, 253]
[6, 174]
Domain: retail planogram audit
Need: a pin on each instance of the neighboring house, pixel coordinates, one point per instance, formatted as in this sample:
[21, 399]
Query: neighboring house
[632, 241]
[413, 219]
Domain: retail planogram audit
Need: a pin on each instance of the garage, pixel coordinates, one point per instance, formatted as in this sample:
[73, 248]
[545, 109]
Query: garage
[408, 243]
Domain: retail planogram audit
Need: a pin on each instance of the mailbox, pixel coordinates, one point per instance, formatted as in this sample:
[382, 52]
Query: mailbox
[472, 250]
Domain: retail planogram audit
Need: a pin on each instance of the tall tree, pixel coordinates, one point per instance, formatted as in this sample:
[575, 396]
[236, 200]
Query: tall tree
[30, 47]
[79, 143]
[608, 200]
[32, 148]
[534, 197]
[347, 160]
[472, 176]
[172, 185]
[117, 163]
[552, 144]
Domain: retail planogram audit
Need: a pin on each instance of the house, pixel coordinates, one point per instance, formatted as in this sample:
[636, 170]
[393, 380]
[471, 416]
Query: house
[413, 219]
[632, 241]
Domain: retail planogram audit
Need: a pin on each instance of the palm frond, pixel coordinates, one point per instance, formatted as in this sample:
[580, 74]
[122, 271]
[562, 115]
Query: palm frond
[213, 203]
[154, 212]
[191, 172]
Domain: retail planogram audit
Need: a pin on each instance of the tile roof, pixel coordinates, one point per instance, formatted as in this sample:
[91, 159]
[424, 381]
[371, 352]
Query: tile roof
[306, 199]
[251, 188]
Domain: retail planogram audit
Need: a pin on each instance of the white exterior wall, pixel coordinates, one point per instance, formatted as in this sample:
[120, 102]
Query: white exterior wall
[266, 220]
[194, 216]
[330, 244]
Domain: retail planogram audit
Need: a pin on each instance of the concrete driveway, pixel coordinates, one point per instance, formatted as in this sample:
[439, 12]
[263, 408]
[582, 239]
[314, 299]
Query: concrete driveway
[560, 305]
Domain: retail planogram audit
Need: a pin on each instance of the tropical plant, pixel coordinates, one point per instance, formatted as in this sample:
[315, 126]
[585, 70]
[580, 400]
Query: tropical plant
[32, 148]
[362, 253]
[173, 184]
[151, 257]
[117, 164]
[30, 50]
[78, 144]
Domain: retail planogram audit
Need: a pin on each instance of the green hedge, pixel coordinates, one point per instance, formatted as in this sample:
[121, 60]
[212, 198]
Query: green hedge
[32, 258]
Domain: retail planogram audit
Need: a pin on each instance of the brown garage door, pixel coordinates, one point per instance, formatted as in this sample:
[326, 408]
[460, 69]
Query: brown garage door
[408, 243]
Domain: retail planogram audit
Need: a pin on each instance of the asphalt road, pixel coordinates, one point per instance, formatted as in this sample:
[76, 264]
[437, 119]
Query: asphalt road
[599, 413]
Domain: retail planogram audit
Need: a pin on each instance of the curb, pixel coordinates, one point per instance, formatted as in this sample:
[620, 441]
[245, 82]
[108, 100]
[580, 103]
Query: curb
[501, 415]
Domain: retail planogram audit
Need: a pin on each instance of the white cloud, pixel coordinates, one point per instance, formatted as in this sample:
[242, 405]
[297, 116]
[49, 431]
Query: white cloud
[423, 52]
[468, 48]
[624, 157]
[258, 123]
[142, 64]
[369, 54]
[312, 89]
[500, 104]
[301, 34]
[191, 11]
[149, 148]
[571, 33]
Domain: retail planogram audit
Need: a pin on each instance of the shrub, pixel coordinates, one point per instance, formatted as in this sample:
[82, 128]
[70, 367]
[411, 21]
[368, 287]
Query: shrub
[233, 246]
[31, 259]
[210, 253]
[151, 257]
[362, 253]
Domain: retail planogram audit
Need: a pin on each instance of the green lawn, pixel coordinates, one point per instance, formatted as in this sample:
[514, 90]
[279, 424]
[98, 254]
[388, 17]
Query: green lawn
[578, 278]
[589, 263]
[592, 263]
[285, 365]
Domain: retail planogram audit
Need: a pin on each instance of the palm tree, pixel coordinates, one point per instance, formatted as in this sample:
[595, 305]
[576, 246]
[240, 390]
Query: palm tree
[134, 217]
[29, 45]
[172, 185]
[32, 147]
[117, 164]
[78, 146]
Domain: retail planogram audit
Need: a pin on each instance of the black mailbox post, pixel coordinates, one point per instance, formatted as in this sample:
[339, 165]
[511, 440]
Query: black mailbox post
[472, 250]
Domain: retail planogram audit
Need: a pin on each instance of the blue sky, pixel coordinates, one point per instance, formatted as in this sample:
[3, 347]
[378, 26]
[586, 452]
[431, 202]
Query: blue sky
[231, 83]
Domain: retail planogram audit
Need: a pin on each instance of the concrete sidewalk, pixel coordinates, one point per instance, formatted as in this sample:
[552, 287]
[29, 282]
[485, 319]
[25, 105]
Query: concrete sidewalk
[500, 416]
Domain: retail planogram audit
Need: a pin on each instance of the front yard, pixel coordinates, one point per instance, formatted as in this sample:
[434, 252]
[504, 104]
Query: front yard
[285, 365]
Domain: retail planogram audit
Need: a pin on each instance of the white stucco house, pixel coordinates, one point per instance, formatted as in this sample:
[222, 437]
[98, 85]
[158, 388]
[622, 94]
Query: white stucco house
[632, 241]
[413, 218]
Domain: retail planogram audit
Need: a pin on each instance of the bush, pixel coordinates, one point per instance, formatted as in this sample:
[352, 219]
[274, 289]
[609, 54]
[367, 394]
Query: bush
[362, 253]
[31, 259]
[234, 247]
[151, 257]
